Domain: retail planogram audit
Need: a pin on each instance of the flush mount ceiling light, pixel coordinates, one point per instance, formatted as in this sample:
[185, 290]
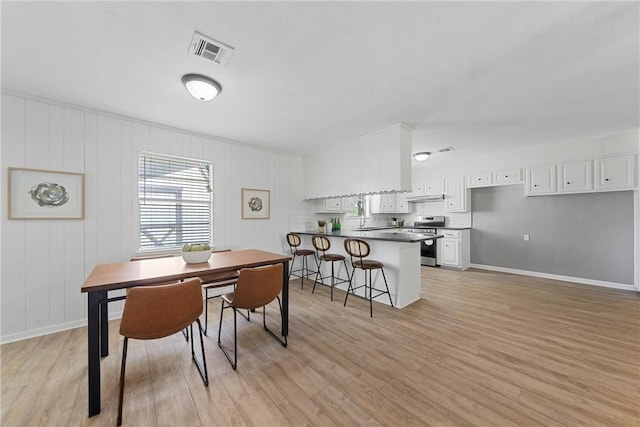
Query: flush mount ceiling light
[201, 87]
[421, 156]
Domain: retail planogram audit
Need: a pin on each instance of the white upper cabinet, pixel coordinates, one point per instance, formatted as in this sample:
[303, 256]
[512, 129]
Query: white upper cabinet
[540, 180]
[456, 195]
[389, 203]
[490, 179]
[417, 189]
[575, 177]
[479, 180]
[615, 173]
[349, 204]
[434, 187]
[507, 177]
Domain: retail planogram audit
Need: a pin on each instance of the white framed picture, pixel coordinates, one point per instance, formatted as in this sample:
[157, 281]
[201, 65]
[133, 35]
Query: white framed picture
[45, 194]
[255, 204]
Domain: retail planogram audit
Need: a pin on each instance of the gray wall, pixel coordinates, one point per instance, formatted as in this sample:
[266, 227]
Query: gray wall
[581, 235]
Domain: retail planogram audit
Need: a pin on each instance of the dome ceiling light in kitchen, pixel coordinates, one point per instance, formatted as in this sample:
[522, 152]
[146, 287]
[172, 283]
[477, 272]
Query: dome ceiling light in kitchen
[201, 87]
[421, 156]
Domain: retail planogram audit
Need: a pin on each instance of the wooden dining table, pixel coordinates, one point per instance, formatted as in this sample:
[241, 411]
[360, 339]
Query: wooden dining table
[121, 275]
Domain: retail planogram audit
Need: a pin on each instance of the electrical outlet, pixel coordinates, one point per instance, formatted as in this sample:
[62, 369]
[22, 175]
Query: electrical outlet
[526, 237]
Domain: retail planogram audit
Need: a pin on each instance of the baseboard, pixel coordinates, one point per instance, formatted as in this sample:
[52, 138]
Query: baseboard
[581, 280]
[51, 329]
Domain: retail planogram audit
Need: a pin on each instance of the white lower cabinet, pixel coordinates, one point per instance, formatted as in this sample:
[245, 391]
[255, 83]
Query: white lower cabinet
[454, 249]
[450, 252]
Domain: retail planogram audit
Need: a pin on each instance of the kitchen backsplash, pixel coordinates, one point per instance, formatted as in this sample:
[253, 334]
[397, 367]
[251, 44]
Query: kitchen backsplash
[454, 219]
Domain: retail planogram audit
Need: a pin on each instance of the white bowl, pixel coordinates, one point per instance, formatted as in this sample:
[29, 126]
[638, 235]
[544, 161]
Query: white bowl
[196, 257]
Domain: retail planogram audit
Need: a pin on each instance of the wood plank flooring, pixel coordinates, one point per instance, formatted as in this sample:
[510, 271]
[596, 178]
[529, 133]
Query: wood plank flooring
[480, 348]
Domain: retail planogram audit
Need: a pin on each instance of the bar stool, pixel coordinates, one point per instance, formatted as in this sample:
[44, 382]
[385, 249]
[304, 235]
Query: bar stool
[322, 245]
[294, 243]
[358, 250]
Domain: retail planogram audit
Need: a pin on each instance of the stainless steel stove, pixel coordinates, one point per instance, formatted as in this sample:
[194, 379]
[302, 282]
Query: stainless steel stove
[428, 248]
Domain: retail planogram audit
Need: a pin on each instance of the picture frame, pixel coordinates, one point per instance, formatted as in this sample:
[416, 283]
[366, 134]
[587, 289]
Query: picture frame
[256, 204]
[45, 194]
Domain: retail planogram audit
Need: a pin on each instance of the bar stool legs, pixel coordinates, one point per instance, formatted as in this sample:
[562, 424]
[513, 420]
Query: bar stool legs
[334, 282]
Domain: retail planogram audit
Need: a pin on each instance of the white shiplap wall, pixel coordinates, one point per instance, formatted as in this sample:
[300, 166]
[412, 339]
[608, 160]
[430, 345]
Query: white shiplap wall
[44, 262]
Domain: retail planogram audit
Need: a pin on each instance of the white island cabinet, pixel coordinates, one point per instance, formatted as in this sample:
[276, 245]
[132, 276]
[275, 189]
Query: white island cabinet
[401, 264]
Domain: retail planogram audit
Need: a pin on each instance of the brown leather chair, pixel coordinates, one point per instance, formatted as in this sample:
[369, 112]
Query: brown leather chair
[358, 250]
[256, 288]
[294, 242]
[322, 244]
[152, 312]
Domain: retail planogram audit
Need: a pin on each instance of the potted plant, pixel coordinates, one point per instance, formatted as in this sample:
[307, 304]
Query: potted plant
[321, 224]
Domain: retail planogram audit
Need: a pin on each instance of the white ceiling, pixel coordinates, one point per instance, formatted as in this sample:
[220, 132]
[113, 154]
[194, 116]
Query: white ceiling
[477, 76]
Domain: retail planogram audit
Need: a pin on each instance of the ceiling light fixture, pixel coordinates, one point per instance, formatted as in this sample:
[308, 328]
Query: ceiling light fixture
[201, 87]
[421, 156]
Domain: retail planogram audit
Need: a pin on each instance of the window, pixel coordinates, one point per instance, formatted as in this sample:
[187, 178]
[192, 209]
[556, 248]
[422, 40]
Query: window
[175, 201]
[361, 207]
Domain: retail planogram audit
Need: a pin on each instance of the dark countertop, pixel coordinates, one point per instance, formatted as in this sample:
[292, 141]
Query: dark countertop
[388, 234]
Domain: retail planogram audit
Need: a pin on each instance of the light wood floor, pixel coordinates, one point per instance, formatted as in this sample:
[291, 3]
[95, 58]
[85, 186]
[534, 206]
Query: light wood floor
[480, 348]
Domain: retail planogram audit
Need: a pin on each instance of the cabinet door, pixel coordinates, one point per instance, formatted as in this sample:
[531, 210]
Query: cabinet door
[450, 252]
[333, 205]
[540, 180]
[575, 177]
[434, 187]
[456, 195]
[402, 206]
[506, 177]
[417, 189]
[348, 204]
[615, 172]
[479, 180]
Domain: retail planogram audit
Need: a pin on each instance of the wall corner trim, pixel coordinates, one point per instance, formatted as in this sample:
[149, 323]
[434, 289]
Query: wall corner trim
[51, 329]
[580, 280]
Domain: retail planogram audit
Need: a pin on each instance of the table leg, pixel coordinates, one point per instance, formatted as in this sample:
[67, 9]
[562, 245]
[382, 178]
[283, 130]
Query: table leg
[104, 325]
[93, 351]
[285, 299]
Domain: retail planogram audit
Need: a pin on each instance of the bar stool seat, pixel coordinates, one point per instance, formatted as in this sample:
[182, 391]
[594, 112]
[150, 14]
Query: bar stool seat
[294, 242]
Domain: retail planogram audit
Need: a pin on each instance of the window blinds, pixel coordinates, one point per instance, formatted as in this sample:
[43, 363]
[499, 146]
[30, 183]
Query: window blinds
[175, 201]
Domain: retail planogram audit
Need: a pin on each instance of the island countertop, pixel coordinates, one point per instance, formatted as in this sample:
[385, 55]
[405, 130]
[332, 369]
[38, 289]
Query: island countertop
[390, 235]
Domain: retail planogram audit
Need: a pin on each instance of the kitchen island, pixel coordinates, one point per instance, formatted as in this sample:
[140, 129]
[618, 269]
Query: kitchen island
[396, 248]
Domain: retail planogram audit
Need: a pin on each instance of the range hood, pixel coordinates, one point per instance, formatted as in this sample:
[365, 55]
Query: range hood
[426, 198]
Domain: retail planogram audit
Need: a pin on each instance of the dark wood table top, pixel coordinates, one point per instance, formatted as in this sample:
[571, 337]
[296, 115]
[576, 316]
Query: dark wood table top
[105, 277]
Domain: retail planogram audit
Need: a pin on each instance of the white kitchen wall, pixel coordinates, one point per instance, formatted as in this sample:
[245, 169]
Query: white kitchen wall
[44, 262]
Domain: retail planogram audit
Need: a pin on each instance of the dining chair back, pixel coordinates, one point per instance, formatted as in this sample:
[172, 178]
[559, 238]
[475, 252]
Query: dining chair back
[152, 312]
[256, 287]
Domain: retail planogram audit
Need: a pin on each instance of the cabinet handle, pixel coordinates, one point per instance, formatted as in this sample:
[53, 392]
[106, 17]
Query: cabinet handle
[606, 179]
[506, 176]
[568, 182]
[535, 185]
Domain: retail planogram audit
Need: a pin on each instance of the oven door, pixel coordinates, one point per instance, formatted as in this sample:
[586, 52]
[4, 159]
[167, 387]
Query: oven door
[428, 253]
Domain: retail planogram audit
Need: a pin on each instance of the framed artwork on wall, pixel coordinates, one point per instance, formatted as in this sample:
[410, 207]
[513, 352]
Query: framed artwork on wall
[45, 194]
[255, 204]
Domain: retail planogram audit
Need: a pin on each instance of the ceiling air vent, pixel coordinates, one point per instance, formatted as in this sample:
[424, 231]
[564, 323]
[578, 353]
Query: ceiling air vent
[210, 49]
[444, 150]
